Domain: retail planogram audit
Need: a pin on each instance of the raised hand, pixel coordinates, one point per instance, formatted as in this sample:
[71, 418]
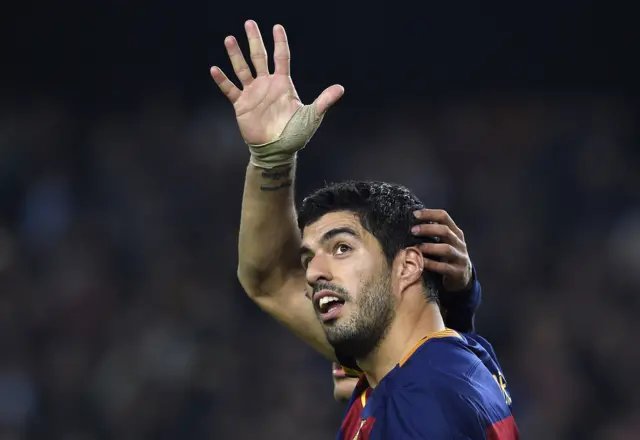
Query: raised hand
[267, 102]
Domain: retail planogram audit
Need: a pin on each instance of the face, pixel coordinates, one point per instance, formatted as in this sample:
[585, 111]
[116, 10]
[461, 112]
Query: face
[350, 282]
[343, 385]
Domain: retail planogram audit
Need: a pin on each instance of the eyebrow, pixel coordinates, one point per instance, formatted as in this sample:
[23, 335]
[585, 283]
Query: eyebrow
[329, 235]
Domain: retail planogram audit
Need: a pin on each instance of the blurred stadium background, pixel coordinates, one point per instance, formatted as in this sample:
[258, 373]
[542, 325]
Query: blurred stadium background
[121, 171]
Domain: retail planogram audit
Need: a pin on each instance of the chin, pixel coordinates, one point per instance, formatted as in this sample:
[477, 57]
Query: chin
[337, 320]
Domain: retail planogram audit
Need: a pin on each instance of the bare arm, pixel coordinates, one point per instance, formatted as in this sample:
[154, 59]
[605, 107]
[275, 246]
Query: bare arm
[269, 264]
[269, 240]
[275, 125]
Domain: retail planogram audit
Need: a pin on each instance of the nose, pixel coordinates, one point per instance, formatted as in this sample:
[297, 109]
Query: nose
[318, 270]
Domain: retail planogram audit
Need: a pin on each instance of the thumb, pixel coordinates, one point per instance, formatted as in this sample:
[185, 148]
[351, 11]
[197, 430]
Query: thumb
[330, 96]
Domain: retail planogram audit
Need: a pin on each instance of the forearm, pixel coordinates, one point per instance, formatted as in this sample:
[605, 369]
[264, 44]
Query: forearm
[269, 239]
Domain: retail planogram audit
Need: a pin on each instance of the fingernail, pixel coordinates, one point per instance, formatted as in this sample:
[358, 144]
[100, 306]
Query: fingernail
[417, 213]
[415, 229]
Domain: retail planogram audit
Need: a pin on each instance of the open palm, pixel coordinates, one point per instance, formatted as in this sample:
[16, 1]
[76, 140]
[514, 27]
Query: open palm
[267, 102]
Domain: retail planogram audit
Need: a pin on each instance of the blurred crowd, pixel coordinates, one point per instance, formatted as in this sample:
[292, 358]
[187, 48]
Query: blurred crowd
[121, 316]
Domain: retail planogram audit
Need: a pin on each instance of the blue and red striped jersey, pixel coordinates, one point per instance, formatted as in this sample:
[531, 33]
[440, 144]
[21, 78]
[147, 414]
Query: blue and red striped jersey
[447, 387]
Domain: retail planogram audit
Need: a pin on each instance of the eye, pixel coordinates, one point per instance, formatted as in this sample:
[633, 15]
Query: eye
[341, 249]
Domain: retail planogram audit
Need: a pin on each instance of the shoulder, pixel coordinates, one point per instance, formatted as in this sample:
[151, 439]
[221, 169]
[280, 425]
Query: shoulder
[458, 375]
[443, 352]
[444, 406]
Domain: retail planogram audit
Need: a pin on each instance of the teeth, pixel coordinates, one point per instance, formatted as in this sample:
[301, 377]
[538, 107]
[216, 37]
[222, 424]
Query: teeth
[326, 300]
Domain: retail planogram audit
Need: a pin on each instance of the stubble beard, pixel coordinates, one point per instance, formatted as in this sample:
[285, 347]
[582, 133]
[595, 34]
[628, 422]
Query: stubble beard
[363, 331]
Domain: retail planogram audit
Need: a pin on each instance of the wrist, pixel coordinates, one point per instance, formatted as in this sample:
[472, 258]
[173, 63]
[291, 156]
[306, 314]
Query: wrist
[457, 289]
[264, 159]
[295, 136]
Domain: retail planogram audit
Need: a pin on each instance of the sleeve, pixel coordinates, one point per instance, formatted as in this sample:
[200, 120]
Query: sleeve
[460, 307]
[411, 414]
[492, 363]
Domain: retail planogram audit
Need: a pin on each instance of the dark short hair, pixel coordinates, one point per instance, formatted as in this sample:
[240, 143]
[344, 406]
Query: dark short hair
[385, 210]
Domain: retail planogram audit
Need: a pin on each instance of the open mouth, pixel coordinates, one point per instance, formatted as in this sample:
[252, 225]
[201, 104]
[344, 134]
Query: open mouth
[328, 305]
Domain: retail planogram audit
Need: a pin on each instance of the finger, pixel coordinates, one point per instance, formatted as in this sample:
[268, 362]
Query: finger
[330, 96]
[439, 216]
[281, 54]
[256, 48]
[438, 230]
[442, 251]
[240, 66]
[441, 267]
[227, 87]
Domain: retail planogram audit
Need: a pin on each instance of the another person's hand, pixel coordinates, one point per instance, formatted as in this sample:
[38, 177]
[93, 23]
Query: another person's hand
[453, 261]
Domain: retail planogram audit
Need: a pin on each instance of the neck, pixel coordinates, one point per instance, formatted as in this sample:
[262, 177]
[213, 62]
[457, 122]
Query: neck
[405, 332]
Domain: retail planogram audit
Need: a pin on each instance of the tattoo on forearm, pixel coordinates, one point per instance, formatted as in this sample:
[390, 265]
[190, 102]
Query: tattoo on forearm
[281, 179]
[275, 187]
[277, 174]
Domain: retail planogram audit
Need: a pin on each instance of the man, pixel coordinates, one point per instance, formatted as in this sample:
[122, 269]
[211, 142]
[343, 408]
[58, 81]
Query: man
[373, 293]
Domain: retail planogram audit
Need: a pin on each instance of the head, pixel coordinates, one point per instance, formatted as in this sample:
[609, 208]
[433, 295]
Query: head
[361, 259]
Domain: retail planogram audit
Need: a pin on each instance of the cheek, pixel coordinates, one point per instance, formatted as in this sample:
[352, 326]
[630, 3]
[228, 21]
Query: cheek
[353, 274]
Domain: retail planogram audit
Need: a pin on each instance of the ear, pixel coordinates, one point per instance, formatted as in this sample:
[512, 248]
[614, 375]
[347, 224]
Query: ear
[409, 267]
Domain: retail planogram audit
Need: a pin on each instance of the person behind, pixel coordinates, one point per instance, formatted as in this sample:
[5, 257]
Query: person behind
[374, 296]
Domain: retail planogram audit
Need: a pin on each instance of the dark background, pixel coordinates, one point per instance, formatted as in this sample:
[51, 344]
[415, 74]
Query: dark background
[121, 172]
